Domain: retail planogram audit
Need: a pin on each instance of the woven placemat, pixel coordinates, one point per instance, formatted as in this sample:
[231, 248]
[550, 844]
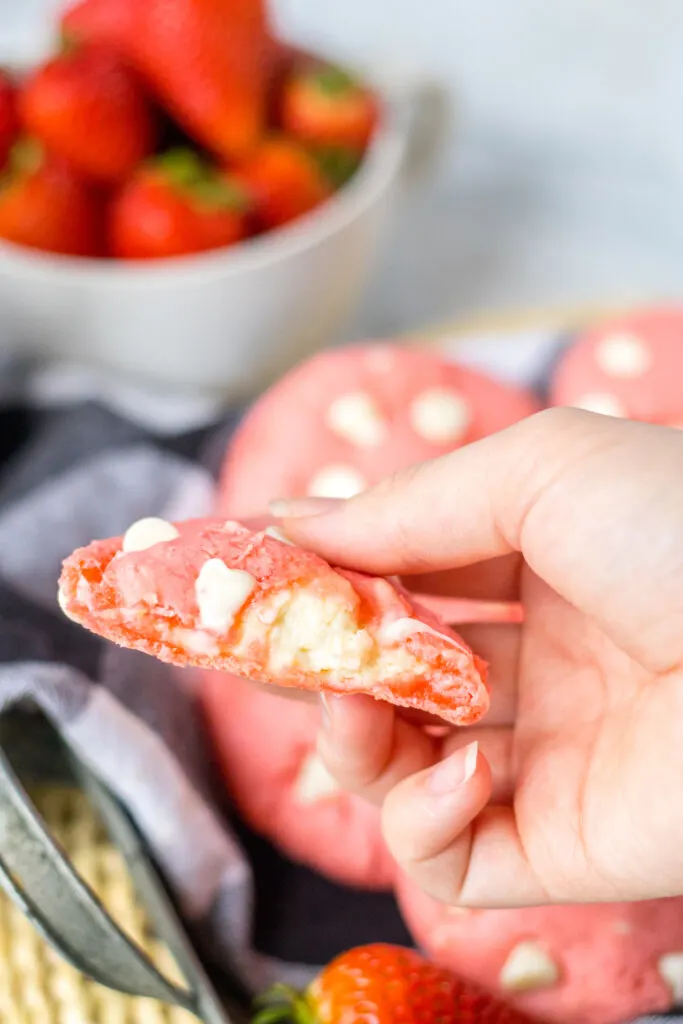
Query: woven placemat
[36, 985]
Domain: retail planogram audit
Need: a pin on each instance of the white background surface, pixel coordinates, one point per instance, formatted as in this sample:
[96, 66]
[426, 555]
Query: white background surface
[564, 179]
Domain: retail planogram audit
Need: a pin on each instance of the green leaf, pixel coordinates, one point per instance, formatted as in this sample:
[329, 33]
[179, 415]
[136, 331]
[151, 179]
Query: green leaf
[273, 1014]
[216, 193]
[338, 163]
[283, 1003]
[182, 166]
[68, 42]
[201, 181]
[305, 1014]
[277, 993]
[26, 156]
[334, 81]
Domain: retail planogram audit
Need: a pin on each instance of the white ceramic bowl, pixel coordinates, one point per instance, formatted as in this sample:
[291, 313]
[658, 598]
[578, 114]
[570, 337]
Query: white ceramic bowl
[229, 320]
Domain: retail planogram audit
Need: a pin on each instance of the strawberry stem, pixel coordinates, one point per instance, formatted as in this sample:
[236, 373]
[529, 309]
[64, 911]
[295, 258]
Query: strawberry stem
[334, 81]
[338, 163]
[219, 193]
[26, 156]
[181, 166]
[68, 43]
[190, 174]
[282, 1003]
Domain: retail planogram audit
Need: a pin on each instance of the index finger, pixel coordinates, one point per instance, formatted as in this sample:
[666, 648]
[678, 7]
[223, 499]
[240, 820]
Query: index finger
[594, 505]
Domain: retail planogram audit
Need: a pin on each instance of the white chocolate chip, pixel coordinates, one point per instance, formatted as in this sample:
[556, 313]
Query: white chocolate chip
[623, 355]
[440, 415]
[527, 967]
[272, 531]
[195, 641]
[220, 593]
[398, 630]
[670, 967]
[356, 418]
[314, 782]
[145, 533]
[602, 402]
[336, 482]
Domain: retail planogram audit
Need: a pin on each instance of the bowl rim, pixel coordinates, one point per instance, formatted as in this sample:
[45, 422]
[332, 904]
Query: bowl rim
[381, 166]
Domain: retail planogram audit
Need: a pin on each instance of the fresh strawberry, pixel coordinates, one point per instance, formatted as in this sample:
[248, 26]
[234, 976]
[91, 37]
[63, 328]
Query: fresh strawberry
[284, 182]
[387, 985]
[209, 62]
[43, 205]
[285, 59]
[326, 105]
[174, 206]
[88, 107]
[99, 21]
[9, 122]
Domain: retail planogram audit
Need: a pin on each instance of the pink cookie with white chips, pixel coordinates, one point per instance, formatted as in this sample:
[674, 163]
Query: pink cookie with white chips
[603, 963]
[265, 747]
[215, 594]
[345, 419]
[630, 367]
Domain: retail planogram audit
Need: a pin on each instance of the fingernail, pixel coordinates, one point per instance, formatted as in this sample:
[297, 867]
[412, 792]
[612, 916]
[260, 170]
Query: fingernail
[454, 771]
[297, 508]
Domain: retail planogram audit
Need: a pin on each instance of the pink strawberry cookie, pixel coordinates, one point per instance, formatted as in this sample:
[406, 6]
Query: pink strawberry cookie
[265, 747]
[630, 367]
[582, 964]
[347, 418]
[215, 594]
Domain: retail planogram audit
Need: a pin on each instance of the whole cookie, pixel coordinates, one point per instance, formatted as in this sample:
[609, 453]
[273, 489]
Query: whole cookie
[631, 366]
[597, 964]
[265, 748]
[346, 418]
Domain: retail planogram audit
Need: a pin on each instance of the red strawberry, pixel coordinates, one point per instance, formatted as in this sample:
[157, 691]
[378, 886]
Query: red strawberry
[9, 122]
[43, 205]
[284, 182]
[386, 985]
[285, 59]
[326, 105]
[99, 21]
[174, 206]
[88, 107]
[209, 62]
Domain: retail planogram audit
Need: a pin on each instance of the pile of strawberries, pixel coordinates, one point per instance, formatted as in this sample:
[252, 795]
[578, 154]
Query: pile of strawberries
[172, 127]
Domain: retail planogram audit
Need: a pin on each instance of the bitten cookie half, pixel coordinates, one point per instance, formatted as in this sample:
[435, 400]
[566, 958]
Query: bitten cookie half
[215, 594]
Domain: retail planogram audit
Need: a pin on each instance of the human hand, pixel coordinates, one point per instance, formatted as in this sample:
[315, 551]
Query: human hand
[570, 790]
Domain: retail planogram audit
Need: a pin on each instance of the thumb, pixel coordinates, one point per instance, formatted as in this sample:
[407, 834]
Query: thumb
[439, 829]
[594, 504]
